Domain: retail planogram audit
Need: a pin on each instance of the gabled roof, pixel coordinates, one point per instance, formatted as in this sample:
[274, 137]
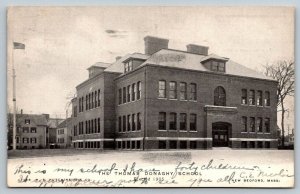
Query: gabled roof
[54, 122]
[185, 60]
[118, 65]
[35, 118]
[63, 124]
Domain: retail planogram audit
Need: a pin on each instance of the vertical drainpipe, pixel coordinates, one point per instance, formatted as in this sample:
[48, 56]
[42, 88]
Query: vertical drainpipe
[145, 100]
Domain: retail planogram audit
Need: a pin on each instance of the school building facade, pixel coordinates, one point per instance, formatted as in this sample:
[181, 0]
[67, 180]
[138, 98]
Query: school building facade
[173, 99]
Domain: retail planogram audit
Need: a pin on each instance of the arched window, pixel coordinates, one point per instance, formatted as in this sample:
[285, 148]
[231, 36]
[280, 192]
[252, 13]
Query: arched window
[219, 96]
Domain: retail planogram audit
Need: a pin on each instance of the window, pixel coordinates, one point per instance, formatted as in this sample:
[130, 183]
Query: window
[25, 140]
[183, 93]
[128, 144]
[259, 144]
[173, 90]
[193, 145]
[139, 90]
[138, 145]
[93, 100]
[86, 102]
[120, 124]
[79, 104]
[89, 127]
[193, 122]
[99, 97]
[90, 103]
[96, 126]
[17, 139]
[259, 98]
[244, 144]
[259, 124]
[133, 88]
[128, 123]
[96, 99]
[252, 124]
[162, 121]
[139, 121]
[120, 96]
[133, 145]
[125, 67]
[33, 130]
[124, 94]
[128, 66]
[267, 144]
[92, 126]
[128, 93]
[33, 140]
[267, 98]
[219, 96]
[182, 121]
[218, 66]
[124, 123]
[252, 144]
[162, 89]
[162, 144]
[133, 122]
[267, 125]
[27, 121]
[193, 95]
[183, 144]
[25, 129]
[173, 144]
[244, 96]
[252, 97]
[172, 124]
[244, 124]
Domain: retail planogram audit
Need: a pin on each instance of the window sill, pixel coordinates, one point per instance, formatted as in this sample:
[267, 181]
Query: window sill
[183, 131]
[174, 99]
[252, 132]
[244, 104]
[244, 132]
[193, 100]
[172, 130]
[252, 105]
[267, 133]
[184, 100]
[162, 98]
[161, 130]
[260, 133]
[193, 131]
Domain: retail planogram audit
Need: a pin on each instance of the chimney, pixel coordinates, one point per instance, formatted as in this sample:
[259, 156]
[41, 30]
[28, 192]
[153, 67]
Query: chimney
[21, 111]
[154, 44]
[118, 57]
[197, 49]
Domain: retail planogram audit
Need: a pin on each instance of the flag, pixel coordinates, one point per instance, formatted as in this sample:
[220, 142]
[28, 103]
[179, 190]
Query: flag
[18, 45]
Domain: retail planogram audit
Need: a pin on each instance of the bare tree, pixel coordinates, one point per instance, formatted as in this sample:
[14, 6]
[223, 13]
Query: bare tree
[284, 73]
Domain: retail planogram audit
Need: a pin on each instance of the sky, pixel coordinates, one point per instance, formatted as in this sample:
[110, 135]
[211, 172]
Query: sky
[62, 42]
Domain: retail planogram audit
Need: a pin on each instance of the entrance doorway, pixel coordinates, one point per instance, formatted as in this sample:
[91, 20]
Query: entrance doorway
[220, 134]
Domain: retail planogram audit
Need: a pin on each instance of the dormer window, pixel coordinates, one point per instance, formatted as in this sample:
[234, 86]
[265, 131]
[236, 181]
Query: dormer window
[132, 63]
[218, 66]
[27, 121]
[128, 66]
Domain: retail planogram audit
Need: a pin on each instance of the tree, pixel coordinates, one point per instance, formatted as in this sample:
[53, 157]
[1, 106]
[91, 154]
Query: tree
[284, 73]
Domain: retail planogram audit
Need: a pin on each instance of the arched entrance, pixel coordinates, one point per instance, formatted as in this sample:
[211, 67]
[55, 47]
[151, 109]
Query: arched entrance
[220, 134]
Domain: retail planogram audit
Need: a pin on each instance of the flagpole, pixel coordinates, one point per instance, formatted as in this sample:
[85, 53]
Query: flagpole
[14, 102]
